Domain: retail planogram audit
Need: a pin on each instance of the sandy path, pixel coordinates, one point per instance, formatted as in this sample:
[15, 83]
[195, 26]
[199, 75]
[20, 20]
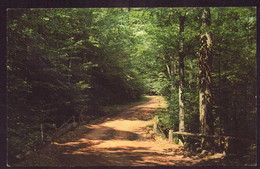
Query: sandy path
[122, 140]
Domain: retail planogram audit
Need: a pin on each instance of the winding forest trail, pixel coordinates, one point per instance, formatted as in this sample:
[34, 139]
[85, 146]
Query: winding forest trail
[122, 140]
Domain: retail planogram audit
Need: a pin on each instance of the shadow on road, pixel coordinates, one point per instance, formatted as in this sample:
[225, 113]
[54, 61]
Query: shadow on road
[119, 156]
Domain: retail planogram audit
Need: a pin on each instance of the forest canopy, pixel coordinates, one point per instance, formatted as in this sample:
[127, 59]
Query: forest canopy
[64, 61]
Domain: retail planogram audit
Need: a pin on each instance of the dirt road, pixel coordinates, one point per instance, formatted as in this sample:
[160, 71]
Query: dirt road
[122, 140]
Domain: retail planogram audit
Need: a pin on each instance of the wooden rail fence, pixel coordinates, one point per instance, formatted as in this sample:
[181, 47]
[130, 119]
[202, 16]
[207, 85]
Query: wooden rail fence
[64, 128]
[173, 134]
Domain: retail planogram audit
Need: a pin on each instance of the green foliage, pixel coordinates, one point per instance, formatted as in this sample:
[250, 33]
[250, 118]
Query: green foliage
[63, 61]
[60, 62]
[233, 73]
[234, 70]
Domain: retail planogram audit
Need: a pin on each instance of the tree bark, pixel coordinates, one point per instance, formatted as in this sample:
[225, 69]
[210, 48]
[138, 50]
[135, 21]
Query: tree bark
[181, 75]
[205, 96]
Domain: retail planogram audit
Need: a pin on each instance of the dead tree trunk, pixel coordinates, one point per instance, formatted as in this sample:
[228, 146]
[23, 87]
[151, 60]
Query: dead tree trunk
[205, 96]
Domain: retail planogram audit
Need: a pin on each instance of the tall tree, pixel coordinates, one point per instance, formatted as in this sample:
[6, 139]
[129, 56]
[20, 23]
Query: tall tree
[181, 74]
[205, 97]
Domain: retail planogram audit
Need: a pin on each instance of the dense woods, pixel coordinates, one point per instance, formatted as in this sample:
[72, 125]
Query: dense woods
[63, 62]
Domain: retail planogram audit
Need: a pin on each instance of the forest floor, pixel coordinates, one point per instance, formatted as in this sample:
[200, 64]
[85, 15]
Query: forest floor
[120, 140]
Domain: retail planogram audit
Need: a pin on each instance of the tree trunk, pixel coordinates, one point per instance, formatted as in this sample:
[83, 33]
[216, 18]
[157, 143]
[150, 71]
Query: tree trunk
[205, 97]
[181, 76]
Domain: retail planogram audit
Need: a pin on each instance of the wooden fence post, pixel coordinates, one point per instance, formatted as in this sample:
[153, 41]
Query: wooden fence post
[74, 124]
[154, 126]
[155, 123]
[81, 116]
[170, 136]
[41, 132]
